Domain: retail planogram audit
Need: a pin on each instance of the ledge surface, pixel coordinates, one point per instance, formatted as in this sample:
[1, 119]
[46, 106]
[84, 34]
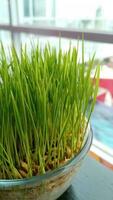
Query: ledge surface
[93, 182]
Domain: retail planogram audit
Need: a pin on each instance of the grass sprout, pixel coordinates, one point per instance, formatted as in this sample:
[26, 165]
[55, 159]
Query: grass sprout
[44, 103]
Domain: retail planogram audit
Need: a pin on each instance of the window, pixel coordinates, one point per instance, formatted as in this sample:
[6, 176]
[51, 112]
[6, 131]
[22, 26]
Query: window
[4, 14]
[35, 8]
[26, 8]
[39, 8]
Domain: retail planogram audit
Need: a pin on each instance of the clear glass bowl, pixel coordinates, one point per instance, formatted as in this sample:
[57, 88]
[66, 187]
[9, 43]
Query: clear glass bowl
[49, 186]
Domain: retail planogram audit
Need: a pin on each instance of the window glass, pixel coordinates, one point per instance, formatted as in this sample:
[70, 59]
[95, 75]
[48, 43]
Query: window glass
[5, 37]
[39, 8]
[4, 14]
[26, 8]
[89, 15]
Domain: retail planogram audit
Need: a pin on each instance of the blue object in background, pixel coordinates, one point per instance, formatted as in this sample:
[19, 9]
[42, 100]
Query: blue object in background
[102, 124]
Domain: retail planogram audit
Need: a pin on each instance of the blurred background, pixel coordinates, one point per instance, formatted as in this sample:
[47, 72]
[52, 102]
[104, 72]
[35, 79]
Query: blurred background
[22, 21]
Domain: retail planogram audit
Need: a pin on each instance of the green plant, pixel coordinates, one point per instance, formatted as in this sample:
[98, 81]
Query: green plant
[44, 102]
